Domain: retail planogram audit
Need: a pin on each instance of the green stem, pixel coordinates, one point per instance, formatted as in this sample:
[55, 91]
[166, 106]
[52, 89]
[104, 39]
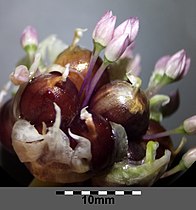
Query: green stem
[31, 50]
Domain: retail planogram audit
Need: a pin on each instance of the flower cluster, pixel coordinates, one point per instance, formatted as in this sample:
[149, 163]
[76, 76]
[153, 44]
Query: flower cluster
[134, 115]
[118, 43]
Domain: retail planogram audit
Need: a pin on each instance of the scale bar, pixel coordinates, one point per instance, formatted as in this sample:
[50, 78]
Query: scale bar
[99, 192]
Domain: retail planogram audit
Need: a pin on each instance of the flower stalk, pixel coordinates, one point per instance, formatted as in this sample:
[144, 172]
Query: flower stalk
[178, 130]
[85, 86]
[188, 127]
[93, 83]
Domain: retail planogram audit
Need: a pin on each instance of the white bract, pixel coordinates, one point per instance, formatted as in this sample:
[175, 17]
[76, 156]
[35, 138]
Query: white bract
[31, 146]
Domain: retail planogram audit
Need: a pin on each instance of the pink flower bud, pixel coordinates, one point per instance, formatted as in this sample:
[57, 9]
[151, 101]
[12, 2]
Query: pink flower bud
[129, 26]
[189, 125]
[128, 53]
[158, 73]
[20, 75]
[29, 37]
[161, 63]
[177, 66]
[134, 28]
[116, 47]
[189, 157]
[107, 15]
[104, 29]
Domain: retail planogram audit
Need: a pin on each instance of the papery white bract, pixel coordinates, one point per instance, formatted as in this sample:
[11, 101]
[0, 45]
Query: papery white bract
[29, 145]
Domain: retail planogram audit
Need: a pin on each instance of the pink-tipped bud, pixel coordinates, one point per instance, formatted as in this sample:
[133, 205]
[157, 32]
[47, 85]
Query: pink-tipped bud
[104, 29]
[189, 125]
[128, 53]
[116, 48]
[129, 26]
[177, 66]
[160, 64]
[189, 157]
[29, 37]
[170, 69]
[20, 75]
[134, 28]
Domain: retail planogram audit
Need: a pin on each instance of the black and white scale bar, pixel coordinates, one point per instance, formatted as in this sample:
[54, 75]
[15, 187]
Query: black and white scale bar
[99, 192]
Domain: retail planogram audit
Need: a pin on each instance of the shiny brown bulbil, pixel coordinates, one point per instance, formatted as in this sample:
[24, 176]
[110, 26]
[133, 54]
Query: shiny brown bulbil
[36, 103]
[117, 102]
[79, 59]
[101, 138]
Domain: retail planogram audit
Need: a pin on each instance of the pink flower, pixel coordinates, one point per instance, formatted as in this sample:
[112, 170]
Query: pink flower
[116, 47]
[129, 26]
[29, 37]
[104, 29]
